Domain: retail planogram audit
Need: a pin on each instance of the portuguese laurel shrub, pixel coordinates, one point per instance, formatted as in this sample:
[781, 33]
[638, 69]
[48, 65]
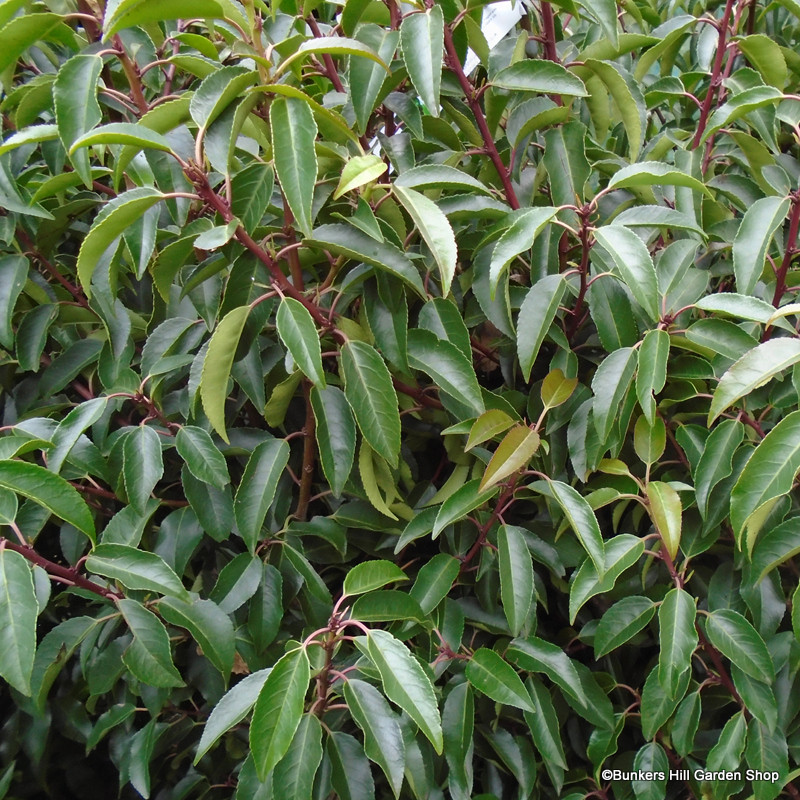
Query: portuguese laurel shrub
[397, 401]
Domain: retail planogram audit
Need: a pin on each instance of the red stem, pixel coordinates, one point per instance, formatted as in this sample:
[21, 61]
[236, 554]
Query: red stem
[791, 250]
[474, 104]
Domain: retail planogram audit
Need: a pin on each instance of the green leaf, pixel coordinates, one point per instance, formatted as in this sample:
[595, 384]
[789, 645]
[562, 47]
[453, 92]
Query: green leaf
[278, 710]
[299, 333]
[13, 274]
[716, 462]
[434, 229]
[136, 569]
[371, 575]
[753, 239]
[422, 44]
[333, 45]
[122, 133]
[677, 638]
[767, 753]
[739, 641]
[775, 548]
[18, 612]
[129, 13]
[293, 778]
[766, 56]
[120, 213]
[336, 435]
[148, 657]
[351, 776]
[487, 426]
[556, 389]
[458, 724]
[251, 192]
[202, 456]
[359, 171]
[383, 737]
[738, 305]
[685, 723]
[628, 97]
[513, 454]
[27, 29]
[257, 488]
[488, 673]
[76, 107]
[49, 491]
[70, 430]
[610, 385]
[621, 552]
[739, 105]
[582, 520]
[634, 265]
[649, 441]
[658, 217]
[211, 628]
[232, 708]
[142, 464]
[621, 623]
[460, 503]
[652, 373]
[349, 241]
[666, 510]
[538, 75]
[369, 390]
[434, 581]
[519, 238]
[217, 366]
[727, 752]
[753, 369]
[447, 366]
[538, 311]
[654, 173]
[405, 683]
[366, 78]
[388, 605]
[293, 133]
[439, 176]
[516, 576]
[605, 11]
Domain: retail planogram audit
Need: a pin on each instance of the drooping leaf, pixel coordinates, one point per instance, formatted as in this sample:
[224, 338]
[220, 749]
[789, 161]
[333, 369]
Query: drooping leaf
[665, 510]
[535, 317]
[488, 673]
[406, 684]
[652, 370]
[202, 456]
[422, 43]
[739, 641]
[136, 569]
[257, 488]
[299, 333]
[753, 238]
[278, 710]
[18, 612]
[142, 464]
[148, 657]
[293, 133]
[294, 773]
[336, 435]
[516, 576]
[513, 454]
[677, 638]
[538, 75]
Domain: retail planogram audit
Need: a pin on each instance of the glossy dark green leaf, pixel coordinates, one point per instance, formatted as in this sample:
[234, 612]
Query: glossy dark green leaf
[752, 241]
[652, 370]
[460, 503]
[127, 13]
[294, 773]
[293, 133]
[370, 575]
[257, 488]
[278, 710]
[148, 657]
[535, 317]
[488, 673]
[516, 576]
[422, 43]
[716, 462]
[405, 683]
[136, 569]
[142, 464]
[336, 434]
[13, 274]
[211, 628]
[383, 738]
[202, 456]
[18, 612]
[350, 771]
[370, 393]
[621, 622]
[538, 75]
[610, 384]
[739, 641]
[49, 491]
[230, 710]
[677, 637]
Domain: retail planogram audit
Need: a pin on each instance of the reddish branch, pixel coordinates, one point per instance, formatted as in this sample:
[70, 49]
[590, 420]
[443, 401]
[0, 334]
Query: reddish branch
[68, 575]
[473, 100]
[791, 250]
[309, 455]
[716, 74]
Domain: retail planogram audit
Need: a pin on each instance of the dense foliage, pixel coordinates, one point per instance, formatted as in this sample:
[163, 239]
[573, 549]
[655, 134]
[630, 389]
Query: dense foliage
[380, 426]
